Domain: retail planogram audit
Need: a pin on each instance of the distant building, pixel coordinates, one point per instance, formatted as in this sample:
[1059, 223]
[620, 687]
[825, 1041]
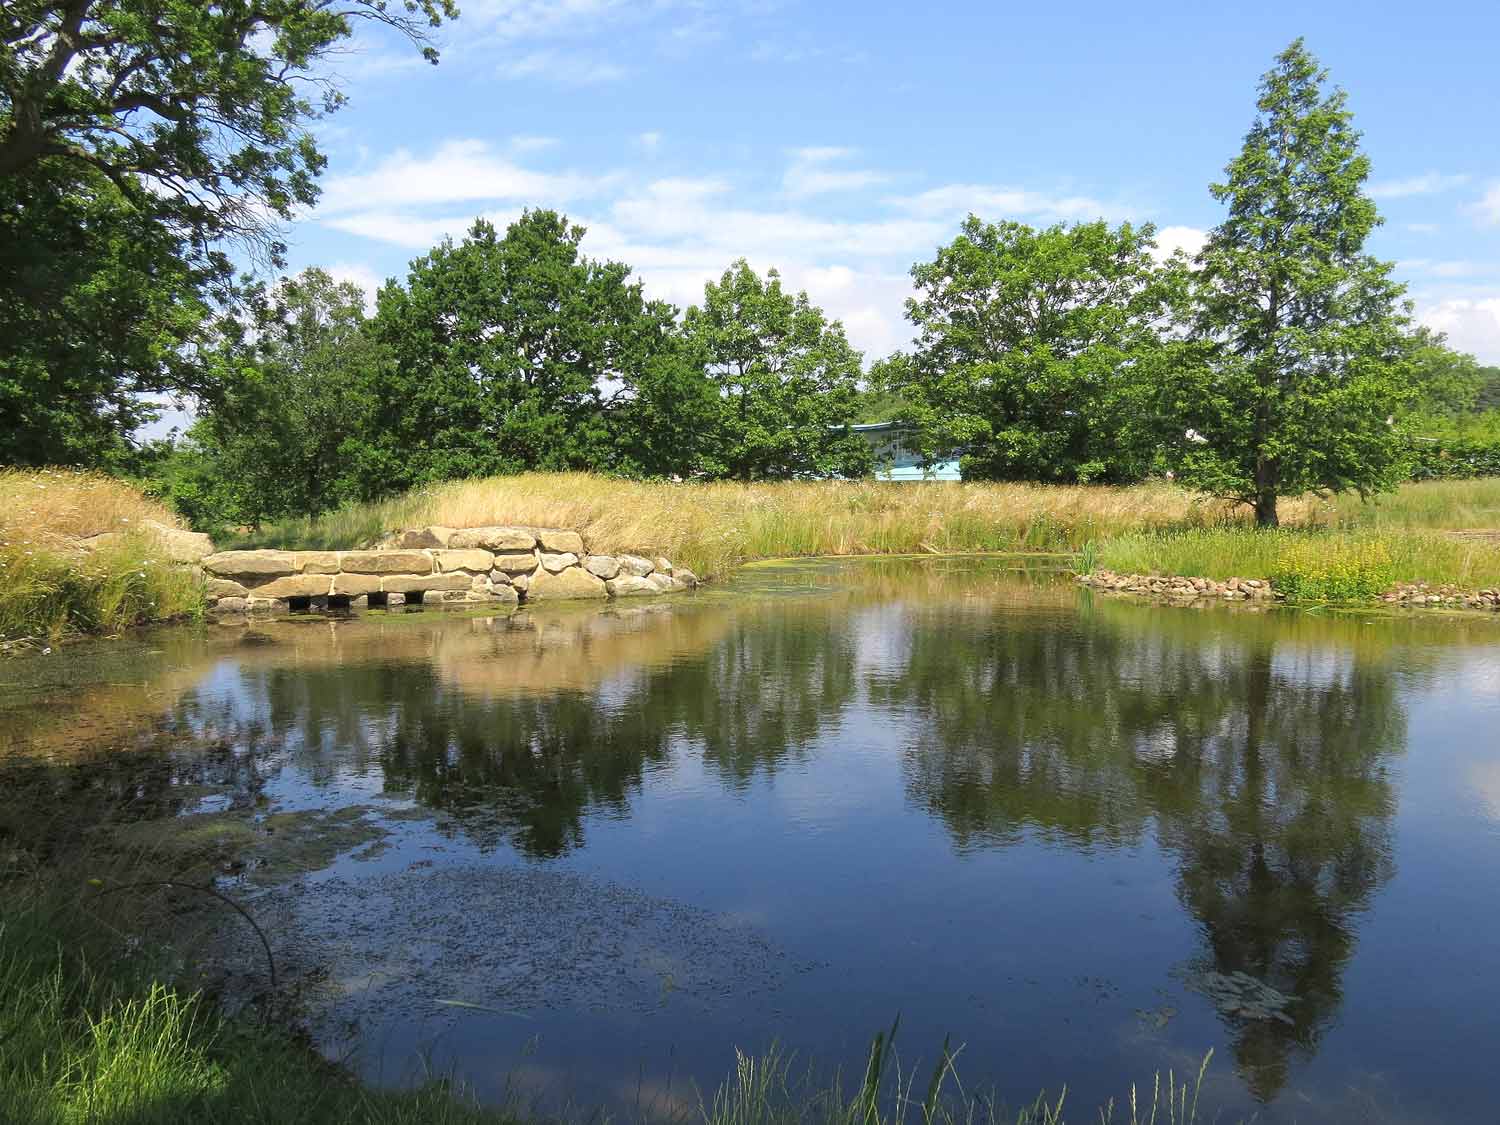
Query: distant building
[893, 461]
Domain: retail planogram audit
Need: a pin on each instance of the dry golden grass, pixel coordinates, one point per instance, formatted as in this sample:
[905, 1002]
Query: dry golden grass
[711, 527]
[55, 505]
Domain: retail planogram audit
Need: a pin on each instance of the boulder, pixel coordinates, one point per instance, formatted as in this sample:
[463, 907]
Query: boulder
[500, 578]
[412, 583]
[516, 564]
[602, 566]
[574, 582]
[521, 582]
[556, 563]
[293, 586]
[471, 558]
[386, 562]
[251, 564]
[560, 542]
[662, 582]
[224, 588]
[318, 562]
[266, 605]
[355, 584]
[685, 576]
[496, 594]
[420, 537]
[635, 565]
[494, 538]
[396, 599]
[663, 566]
[179, 545]
[230, 605]
[631, 585]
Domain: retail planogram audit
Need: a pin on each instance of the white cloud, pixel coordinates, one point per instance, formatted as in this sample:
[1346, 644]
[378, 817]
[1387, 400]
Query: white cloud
[649, 141]
[1422, 228]
[810, 174]
[1446, 269]
[414, 232]
[361, 275]
[1488, 206]
[457, 171]
[1189, 240]
[1471, 323]
[568, 68]
[509, 20]
[988, 202]
[1429, 183]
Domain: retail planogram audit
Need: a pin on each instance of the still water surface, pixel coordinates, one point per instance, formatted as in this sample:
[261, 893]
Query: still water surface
[1051, 825]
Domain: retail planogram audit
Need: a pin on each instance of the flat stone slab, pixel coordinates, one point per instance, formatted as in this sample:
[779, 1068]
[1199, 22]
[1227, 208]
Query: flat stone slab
[386, 562]
[250, 564]
[571, 583]
[494, 538]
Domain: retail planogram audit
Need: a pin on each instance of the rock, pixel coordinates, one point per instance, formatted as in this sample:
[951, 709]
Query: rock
[573, 582]
[500, 578]
[230, 605]
[635, 565]
[602, 566]
[386, 562]
[494, 538]
[662, 582]
[472, 558]
[516, 564]
[521, 582]
[355, 584]
[318, 562]
[223, 588]
[414, 583]
[251, 564]
[179, 545]
[395, 599]
[560, 542]
[663, 566]
[631, 585]
[293, 586]
[556, 563]
[417, 538]
[434, 597]
[685, 576]
[502, 594]
[266, 605]
[361, 602]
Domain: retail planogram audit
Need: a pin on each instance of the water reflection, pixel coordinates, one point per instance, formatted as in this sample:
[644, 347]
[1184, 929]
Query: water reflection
[1258, 752]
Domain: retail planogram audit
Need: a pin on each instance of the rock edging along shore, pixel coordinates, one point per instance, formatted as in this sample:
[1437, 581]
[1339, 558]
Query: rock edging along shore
[1183, 588]
[436, 566]
[1409, 594]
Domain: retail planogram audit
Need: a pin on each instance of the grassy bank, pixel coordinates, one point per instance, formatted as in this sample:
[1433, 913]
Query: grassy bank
[90, 1033]
[52, 584]
[1155, 528]
[1331, 565]
[712, 527]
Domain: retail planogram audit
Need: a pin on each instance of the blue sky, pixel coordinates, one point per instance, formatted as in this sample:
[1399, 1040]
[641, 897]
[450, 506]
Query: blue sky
[842, 141]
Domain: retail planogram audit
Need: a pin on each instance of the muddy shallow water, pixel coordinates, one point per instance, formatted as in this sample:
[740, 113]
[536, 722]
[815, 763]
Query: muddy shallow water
[588, 853]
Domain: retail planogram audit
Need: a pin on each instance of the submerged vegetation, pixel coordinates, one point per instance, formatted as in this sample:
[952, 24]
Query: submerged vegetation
[93, 1033]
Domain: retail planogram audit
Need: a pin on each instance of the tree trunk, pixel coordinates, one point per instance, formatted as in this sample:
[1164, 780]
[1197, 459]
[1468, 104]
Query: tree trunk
[1265, 509]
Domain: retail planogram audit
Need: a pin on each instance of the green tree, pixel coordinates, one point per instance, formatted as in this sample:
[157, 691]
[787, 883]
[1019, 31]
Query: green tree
[1444, 381]
[502, 348]
[292, 371]
[787, 378]
[97, 310]
[141, 140]
[1036, 351]
[1303, 333]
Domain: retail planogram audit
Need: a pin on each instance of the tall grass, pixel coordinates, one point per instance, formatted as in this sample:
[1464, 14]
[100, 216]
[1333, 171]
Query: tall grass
[711, 527]
[50, 585]
[1313, 565]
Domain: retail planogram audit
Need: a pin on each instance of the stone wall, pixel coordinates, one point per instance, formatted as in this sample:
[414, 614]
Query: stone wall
[436, 566]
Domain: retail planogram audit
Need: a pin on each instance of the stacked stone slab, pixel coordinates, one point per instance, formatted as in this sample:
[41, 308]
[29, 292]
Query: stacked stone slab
[436, 566]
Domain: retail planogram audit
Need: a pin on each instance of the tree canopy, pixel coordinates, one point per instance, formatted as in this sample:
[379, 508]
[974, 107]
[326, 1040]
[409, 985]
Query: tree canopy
[142, 144]
[787, 376]
[1035, 351]
[1306, 364]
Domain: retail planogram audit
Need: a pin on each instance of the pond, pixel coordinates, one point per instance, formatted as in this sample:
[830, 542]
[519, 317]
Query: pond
[587, 853]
